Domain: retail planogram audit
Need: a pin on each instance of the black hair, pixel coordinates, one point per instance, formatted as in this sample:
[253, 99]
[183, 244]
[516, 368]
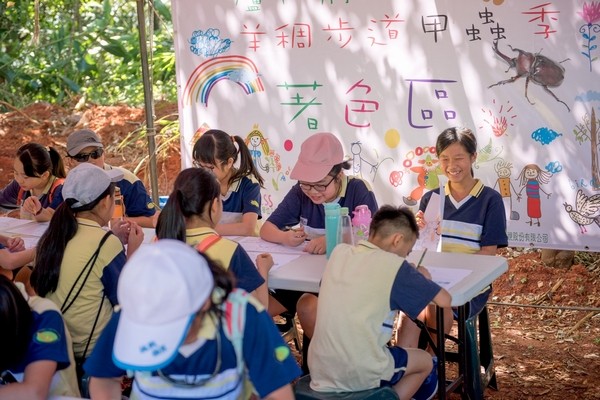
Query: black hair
[51, 246]
[16, 319]
[389, 220]
[463, 136]
[36, 160]
[194, 189]
[216, 145]
[339, 167]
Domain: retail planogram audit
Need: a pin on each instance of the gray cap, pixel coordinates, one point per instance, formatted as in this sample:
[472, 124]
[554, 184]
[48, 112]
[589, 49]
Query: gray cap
[81, 139]
[86, 182]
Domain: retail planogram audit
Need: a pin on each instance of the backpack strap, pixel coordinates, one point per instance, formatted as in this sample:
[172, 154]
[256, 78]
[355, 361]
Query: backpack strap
[235, 322]
[207, 242]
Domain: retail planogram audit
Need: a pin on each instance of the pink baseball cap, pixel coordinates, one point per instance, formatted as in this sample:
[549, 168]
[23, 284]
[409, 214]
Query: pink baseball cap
[318, 155]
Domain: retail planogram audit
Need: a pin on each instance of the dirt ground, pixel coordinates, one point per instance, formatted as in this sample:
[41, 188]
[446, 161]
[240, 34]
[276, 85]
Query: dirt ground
[550, 351]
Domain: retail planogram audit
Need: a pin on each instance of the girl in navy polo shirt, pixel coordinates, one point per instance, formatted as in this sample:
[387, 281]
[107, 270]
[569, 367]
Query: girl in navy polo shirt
[36, 358]
[319, 171]
[192, 214]
[218, 152]
[39, 173]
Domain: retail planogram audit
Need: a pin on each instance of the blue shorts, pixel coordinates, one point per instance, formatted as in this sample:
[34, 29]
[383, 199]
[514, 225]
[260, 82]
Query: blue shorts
[400, 362]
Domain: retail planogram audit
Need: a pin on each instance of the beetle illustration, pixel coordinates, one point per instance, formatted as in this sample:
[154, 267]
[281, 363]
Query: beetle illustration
[535, 67]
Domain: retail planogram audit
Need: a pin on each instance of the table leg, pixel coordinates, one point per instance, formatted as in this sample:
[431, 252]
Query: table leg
[463, 370]
[441, 338]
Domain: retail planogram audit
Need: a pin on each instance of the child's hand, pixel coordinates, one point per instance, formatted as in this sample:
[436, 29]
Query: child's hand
[135, 238]
[424, 271]
[32, 205]
[316, 246]
[14, 244]
[264, 263]
[120, 228]
[420, 217]
[294, 237]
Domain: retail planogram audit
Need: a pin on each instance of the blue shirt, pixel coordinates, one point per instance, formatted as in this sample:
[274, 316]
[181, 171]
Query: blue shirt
[48, 342]
[243, 196]
[477, 221]
[10, 194]
[297, 208]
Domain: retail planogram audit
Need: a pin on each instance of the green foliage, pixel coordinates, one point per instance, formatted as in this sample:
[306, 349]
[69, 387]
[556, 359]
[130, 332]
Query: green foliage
[73, 48]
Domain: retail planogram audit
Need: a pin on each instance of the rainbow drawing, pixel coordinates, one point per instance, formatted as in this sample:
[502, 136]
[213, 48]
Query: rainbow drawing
[238, 69]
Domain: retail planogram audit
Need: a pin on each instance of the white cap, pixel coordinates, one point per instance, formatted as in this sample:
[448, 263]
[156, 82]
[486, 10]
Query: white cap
[160, 290]
[86, 182]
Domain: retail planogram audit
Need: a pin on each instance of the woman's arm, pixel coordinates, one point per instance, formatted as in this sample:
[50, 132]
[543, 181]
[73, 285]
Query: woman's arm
[105, 388]
[271, 233]
[9, 260]
[247, 227]
[36, 383]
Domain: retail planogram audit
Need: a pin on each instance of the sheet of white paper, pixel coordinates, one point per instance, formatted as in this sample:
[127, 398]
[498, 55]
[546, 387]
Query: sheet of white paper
[257, 245]
[30, 241]
[32, 229]
[7, 223]
[279, 259]
[447, 277]
[428, 237]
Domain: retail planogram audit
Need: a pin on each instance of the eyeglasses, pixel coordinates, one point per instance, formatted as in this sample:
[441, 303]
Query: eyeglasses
[318, 187]
[84, 157]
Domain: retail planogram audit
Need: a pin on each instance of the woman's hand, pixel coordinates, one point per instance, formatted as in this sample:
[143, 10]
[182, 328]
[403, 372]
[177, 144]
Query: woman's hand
[294, 237]
[317, 245]
[120, 228]
[32, 205]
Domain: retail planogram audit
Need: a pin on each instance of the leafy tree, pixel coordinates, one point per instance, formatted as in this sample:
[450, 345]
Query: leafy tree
[60, 50]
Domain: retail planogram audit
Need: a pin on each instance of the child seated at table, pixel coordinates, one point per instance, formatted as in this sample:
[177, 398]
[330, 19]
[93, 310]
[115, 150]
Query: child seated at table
[191, 214]
[186, 333]
[218, 152]
[37, 360]
[39, 173]
[362, 289]
[321, 179]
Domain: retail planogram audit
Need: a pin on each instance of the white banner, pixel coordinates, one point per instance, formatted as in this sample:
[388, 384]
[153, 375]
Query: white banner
[387, 77]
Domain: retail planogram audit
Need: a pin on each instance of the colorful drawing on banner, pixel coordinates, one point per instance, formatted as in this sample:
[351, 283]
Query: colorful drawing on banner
[208, 43]
[506, 188]
[427, 168]
[238, 69]
[488, 153]
[358, 160]
[531, 179]
[586, 211]
[264, 157]
[392, 138]
[533, 66]
[499, 120]
[590, 14]
[589, 131]
[199, 132]
[545, 135]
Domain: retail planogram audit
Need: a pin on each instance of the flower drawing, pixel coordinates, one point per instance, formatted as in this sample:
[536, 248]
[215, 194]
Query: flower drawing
[591, 15]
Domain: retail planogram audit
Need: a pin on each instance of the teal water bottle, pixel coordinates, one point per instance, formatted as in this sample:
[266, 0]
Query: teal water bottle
[332, 224]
